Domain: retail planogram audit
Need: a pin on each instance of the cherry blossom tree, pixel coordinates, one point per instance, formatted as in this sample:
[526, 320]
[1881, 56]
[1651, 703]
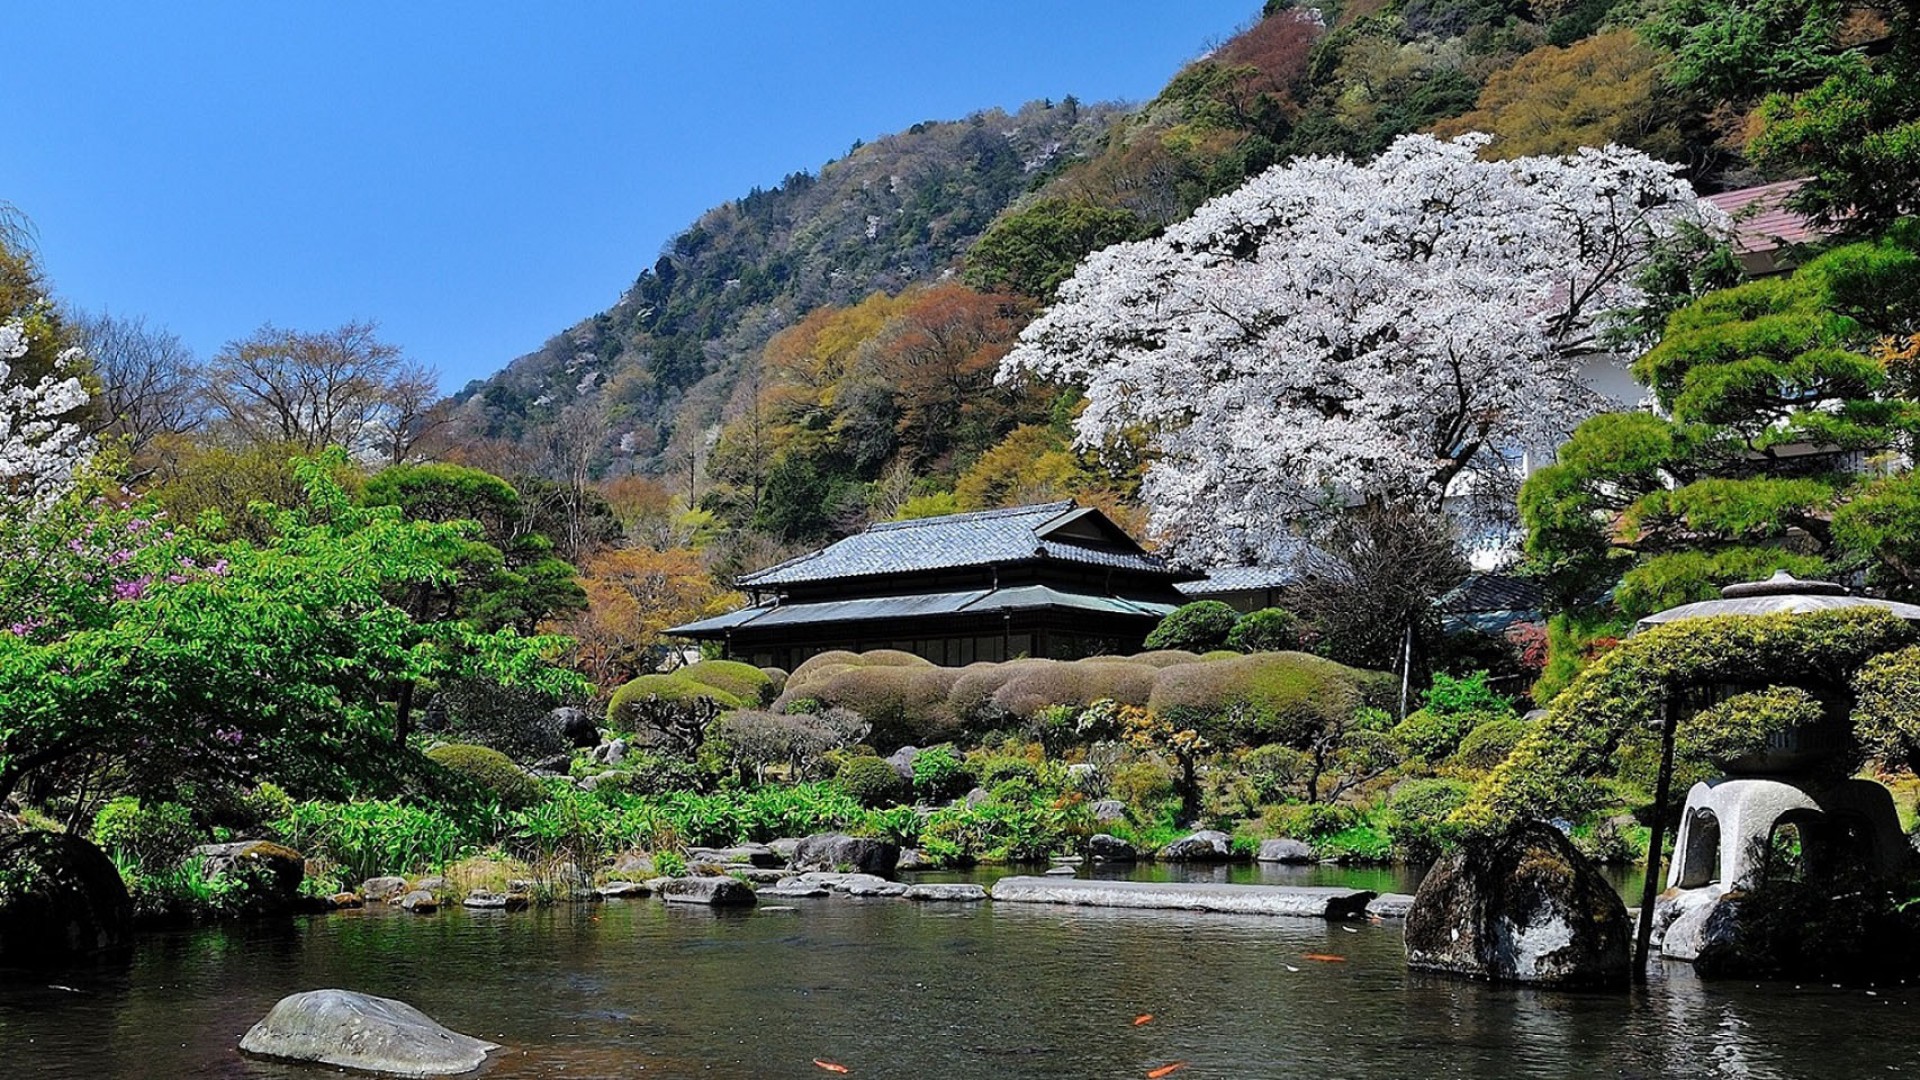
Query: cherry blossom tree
[1331, 333]
[40, 443]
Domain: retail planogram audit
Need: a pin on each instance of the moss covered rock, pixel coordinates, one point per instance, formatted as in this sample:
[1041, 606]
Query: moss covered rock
[1521, 906]
[60, 897]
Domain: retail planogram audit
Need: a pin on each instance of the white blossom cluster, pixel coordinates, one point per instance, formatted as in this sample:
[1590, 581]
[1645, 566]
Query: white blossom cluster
[40, 445]
[1331, 331]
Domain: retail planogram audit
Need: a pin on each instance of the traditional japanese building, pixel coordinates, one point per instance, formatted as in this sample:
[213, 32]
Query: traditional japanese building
[1054, 580]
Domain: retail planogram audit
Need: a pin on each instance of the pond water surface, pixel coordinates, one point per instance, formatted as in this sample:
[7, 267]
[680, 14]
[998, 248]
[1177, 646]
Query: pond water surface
[895, 989]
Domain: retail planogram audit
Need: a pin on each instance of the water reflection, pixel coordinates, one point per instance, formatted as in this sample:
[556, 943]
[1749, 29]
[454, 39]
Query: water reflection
[892, 989]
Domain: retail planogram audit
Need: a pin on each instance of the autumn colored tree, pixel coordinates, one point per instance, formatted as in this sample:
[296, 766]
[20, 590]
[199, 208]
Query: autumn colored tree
[1603, 89]
[632, 595]
[938, 357]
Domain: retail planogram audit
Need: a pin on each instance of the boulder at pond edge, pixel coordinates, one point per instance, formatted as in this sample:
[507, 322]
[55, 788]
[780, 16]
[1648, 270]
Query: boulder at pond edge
[838, 851]
[1524, 907]
[60, 896]
[360, 1031]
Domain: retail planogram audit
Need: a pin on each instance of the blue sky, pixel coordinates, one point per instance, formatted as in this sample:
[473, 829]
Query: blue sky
[477, 177]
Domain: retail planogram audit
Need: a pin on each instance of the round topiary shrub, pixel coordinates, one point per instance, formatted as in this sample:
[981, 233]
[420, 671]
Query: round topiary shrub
[747, 683]
[1265, 697]
[1267, 630]
[939, 774]
[1164, 658]
[1489, 743]
[674, 689]
[872, 782]
[904, 704]
[491, 771]
[1199, 626]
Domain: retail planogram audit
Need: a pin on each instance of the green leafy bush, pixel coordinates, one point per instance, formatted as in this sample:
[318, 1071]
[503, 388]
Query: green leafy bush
[669, 864]
[1489, 743]
[939, 774]
[150, 839]
[489, 770]
[373, 838]
[1145, 784]
[998, 770]
[1312, 822]
[1274, 771]
[1266, 630]
[872, 782]
[1199, 626]
[675, 688]
[517, 722]
[904, 703]
[1427, 800]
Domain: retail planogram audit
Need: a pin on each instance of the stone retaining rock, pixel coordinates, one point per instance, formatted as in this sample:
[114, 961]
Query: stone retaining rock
[285, 868]
[785, 847]
[912, 859]
[382, 888]
[1523, 907]
[1207, 845]
[709, 891]
[60, 896]
[1105, 847]
[360, 1031]
[759, 855]
[419, 901]
[616, 890]
[834, 851]
[1107, 810]
[1303, 901]
[1288, 852]
[795, 889]
[955, 894]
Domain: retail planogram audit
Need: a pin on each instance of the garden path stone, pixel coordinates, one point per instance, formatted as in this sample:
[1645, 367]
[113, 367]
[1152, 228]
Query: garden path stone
[1317, 902]
[709, 891]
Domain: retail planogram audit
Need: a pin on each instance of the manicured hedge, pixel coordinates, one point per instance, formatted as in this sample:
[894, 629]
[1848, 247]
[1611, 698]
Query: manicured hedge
[1265, 697]
[491, 771]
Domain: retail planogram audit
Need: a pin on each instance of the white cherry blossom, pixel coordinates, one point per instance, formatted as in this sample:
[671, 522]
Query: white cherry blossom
[40, 447]
[1333, 332]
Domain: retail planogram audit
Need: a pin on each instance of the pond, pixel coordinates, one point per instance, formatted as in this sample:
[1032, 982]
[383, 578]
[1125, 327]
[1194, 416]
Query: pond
[894, 989]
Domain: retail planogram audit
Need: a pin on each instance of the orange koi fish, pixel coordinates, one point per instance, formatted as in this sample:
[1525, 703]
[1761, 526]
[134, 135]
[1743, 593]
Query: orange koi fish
[1165, 1070]
[1326, 958]
[832, 1067]
[1142, 1018]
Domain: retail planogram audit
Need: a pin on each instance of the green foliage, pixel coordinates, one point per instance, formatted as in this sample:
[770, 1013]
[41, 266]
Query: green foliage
[372, 838]
[1009, 830]
[1196, 627]
[1739, 50]
[1143, 784]
[872, 782]
[1265, 630]
[743, 682]
[1266, 697]
[1615, 702]
[1856, 136]
[939, 774]
[490, 771]
[515, 721]
[669, 864]
[904, 702]
[1764, 385]
[1886, 713]
[1033, 249]
[151, 839]
[1489, 743]
[1741, 724]
[1275, 771]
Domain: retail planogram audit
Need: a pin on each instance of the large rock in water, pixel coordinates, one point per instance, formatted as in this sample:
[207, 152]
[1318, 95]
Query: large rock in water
[59, 897]
[1524, 907]
[710, 891]
[1207, 845]
[838, 851]
[360, 1031]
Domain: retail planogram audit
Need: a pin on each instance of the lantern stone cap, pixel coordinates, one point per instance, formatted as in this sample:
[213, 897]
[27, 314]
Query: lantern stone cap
[1783, 584]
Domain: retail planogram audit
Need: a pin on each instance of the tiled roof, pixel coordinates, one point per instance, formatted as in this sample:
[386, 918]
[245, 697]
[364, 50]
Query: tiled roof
[1491, 593]
[878, 608]
[1016, 534]
[1762, 221]
[1228, 579]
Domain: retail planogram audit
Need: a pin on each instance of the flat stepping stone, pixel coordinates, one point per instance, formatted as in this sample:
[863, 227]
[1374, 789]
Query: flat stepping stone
[1393, 905]
[708, 891]
[614, 890]
[1299, 901]
[792, 890]
[955, 894]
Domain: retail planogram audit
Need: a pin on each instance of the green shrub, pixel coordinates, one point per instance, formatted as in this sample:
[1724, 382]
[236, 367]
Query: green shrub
[872, 782]
[149, 839]
[675, 688]
[1266, 697]
[516, 722]
[939, 774]
[1145, 784]
[372, 838]
[811, 667]
[1274, 771]
[489, 770]
[669, 864]
[1032, 685]
[1312, 822]
[1428, 800]
[1266, 630]
[1199, 626]
[905, 704]
[1489, 743]
[1001, 769]
[743, 682]
[1468, 693]
[1164, 658]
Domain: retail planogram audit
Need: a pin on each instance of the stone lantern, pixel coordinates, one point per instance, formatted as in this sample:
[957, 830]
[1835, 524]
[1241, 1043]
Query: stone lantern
[1727, 825]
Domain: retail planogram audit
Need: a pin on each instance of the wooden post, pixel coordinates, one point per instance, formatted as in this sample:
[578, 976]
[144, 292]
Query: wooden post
[1650, 889]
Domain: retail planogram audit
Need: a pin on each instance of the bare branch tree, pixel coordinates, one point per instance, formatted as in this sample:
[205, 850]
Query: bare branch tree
[413, 413]
[151, 384]
[306, 389]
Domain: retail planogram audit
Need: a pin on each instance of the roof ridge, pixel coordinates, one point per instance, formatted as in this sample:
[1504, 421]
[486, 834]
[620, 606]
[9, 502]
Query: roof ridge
[1055, 508]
